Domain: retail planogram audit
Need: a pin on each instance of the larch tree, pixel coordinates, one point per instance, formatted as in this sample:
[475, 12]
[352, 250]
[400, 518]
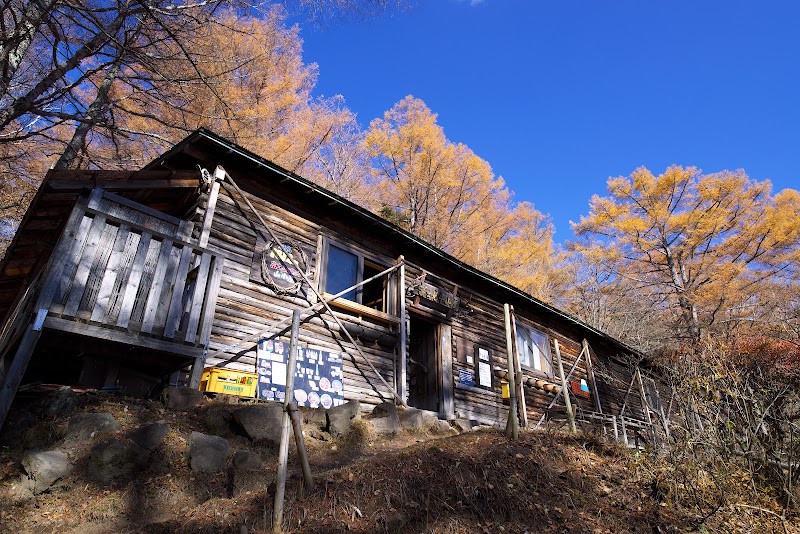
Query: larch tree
[446, 194]
[708, 243]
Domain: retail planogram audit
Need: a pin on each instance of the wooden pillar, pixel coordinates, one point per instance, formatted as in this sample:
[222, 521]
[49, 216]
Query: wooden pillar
[624, 432]
[401, 385]
[283, 452]
[211, 206]
[565, 389]
[446, 355]
[523, 410]
[512, 427]
[592, 379]
[16, 370]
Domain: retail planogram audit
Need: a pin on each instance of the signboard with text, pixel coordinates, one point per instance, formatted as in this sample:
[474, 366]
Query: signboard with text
[318, 379]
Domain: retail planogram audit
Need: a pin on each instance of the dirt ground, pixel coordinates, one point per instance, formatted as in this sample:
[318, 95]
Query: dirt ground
[478, 481]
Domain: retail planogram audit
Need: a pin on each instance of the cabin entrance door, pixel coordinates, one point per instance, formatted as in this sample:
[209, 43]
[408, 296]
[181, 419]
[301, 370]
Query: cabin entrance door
[424, 370]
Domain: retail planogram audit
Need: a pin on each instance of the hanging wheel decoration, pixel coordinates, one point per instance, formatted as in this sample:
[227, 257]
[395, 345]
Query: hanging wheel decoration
[281, 266]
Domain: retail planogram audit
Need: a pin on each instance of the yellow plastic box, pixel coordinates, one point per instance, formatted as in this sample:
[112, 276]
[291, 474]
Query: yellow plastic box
[229, 382]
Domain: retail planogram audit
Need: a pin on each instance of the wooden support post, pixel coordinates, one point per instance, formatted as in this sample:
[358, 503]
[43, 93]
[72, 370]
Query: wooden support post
[519, 379]
[197, 370]
[446, 354]
[643, 396]
[512, 428]
[283, 452]
[401, 385]
[300, 442]
[614, 425]
[592, 379]
[565, 389]
[69, 245]
[628, 392]
[13, 377]
[211, 206]
[624, 432]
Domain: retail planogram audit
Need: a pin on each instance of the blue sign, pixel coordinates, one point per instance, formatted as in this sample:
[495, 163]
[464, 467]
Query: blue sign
[318, 379]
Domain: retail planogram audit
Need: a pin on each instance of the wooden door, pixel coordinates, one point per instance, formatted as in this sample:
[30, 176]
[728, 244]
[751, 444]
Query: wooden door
[423, 365]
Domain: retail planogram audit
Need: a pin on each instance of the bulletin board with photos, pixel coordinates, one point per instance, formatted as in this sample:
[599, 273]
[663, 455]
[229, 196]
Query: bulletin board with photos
[480, 372]
[318, 379]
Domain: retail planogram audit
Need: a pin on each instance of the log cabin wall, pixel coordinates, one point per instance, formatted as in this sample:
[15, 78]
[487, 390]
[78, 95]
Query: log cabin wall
[246, 305]
[304, 212]
[311, 217]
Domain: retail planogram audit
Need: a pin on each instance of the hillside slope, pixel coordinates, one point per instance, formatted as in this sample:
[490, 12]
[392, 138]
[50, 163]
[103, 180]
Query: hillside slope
[477, 481]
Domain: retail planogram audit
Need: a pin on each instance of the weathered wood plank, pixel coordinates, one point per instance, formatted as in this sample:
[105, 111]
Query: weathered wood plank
[82, 273]
[119, 336]
[133, 281]
[104, 294]
[196, 305]
[177, 303]
[210, 301]
[154, 295]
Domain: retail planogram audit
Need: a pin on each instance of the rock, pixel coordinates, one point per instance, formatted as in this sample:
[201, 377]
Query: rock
[411, 419]
[84, 427]
[430, 419]
[261, 422]
[384, 419]
[16, 425]
[247, 460]
[384, 409]
[63, 403]
[462, 425]
[340, 418]
[182, 399]
[207, 454]
[149, 436]
[43, 469]
[441, 427]
[113, 458]
[316, 418]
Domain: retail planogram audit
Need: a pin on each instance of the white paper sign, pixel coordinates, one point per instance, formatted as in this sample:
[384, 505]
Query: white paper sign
[484, 374]
[279, 373]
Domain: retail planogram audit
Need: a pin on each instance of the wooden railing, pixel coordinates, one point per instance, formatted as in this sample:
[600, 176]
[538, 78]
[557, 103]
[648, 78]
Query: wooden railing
[131, 271]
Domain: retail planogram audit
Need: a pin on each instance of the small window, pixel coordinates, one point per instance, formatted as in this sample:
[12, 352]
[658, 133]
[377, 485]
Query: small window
[342, 271]
[533, 349]
[484, 374]
[343, 267]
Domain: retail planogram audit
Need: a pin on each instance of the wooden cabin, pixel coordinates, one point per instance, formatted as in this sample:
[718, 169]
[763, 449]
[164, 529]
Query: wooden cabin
[127, 279]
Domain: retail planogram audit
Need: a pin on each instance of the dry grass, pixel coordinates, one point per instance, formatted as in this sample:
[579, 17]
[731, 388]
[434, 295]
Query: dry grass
[547, 481]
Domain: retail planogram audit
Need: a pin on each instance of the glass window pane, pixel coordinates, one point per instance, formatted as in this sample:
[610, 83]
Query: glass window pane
[341, 272]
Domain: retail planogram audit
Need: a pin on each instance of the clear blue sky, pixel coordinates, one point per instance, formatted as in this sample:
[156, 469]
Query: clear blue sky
[559, 95]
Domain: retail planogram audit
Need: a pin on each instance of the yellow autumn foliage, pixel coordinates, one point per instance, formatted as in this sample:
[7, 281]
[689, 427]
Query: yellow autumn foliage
[710, 242]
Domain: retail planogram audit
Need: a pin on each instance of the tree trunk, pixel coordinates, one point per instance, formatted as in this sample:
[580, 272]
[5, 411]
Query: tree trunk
[95, 113]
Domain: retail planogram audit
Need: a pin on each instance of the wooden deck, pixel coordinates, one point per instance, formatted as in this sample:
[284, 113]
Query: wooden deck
[130, 272]
[121, 273]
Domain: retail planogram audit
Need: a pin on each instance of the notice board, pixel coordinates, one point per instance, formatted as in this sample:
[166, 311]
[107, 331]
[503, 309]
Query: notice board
[318, 380]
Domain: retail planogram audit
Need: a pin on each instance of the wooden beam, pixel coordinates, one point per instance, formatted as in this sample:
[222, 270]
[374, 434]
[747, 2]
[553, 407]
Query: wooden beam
[512, 428]
[119, 336]
[208, 216]
[401, 385]
[523, 410]
[593, 380]
[446, 354]
[564, 389]
[16, 370]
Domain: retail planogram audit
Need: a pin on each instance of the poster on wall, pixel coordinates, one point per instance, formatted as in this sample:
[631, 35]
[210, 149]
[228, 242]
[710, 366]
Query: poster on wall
[318, 380]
